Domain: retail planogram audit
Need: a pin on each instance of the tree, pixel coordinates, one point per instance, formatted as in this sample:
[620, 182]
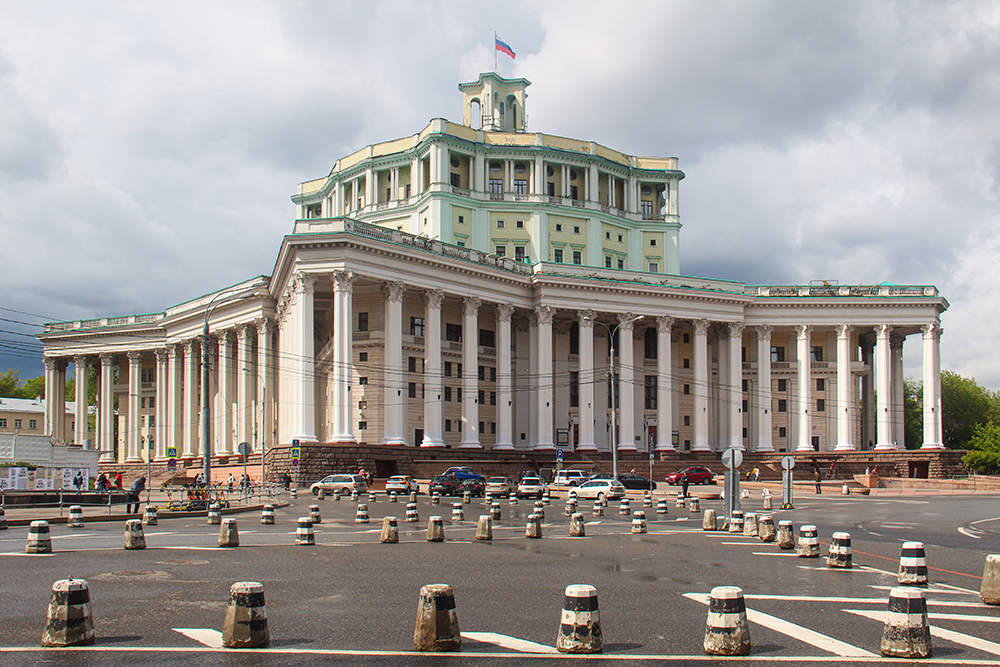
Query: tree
[984, 449]
[913, 413]
[33, 388]
[964, 404]
[10, 384]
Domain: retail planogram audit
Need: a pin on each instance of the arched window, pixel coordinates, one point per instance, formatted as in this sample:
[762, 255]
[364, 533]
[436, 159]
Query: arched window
[512, 105]
[475, 114]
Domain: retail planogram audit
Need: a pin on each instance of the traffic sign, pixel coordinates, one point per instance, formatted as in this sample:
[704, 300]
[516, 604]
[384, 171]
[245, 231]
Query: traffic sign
[296, 454]
[559, 455]
[172, 464]
[171, 452]
[787, 462]
[243, 448]
[732, 458]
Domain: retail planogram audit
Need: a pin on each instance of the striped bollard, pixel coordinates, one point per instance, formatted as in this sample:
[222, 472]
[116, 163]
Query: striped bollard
[736, 522]
[3, 519]
[75, 517]
[840, 551]
[393, 497]
[150, 518]
[214, 514]
[546, 496]
[354, 496]
[533, 529]
[484, 529]
[750, 525]
[372, 497]
[293, 494]
[495, 511]
[304, 534]
[680, 502]
[570, 507]
[989, 591]
[229, 534]
[906, 633]
[765, 528]
[580, 621]
[598, 509]
[39, 540]
[435, 529]
[488, 499]
[412, 515]
[638, 522]
[710, 521]
[539, 509]
[413, 496]
[913, 564]
[457, 512]
[625, 508]
[808, 545]
[361, 516]
[786, 535]
[661, 506]
[435, 498]
[68, 621]
[466, 498]
[134, 537]
[512, 500]
[576, 526]
[390, 531]
[727, 631]
[647, 499]
[694, 505]
[267, 515]
[437, 620]
[246, 617]
[321, 494]
[314, 514]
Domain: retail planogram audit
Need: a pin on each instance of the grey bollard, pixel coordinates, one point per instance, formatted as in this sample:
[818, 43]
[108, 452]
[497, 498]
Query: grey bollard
[576, 526]
[39, 540]
[466, 498]
[913, 564]
[304, 535]
[840, 551]
[989, 591]
[786, 535]
[361, 515]
[598, 509]
[694, 505]
[484, 529]
[150, 518]
[214, 515]
[638, 522]
[727, 631]
[134, 537]
[336, 496]
[68, 620]
[390, 531]
[437, 620]
[413, 496]
[229, 534]
[570, 508]
[3, 519]
[267, 515]
[246, 617]
[750, 525]
[354, 495]
[533, 529]
[457, 512]
[767, 503]
[736, 522]
[808, 544]
[321, 494]
[906, 633]
[580, 622]
[765, 528]
[314, 515]
[435, 529]
[710, 521]
[495, 511]
[75, 517]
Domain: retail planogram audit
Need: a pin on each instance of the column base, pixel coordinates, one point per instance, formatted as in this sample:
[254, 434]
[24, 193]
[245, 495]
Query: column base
[343, 439]
[628, 449]
[470, 445]
[135, 459]
[395, 442]
[805, 448]
[504, 447]
[846, 447]
[932, 445]
[545, 447]
[885, 447]
[428, 443]
[765, 449]
[587, 448]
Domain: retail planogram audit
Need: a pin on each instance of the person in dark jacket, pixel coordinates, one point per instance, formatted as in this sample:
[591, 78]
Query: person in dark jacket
[684, 484]
[138, 486]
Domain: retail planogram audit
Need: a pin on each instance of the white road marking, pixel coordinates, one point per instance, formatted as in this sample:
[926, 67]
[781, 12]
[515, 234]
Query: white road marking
[207, 636]
[21, 553]
[159, 534]
[507, 642]
[775, 553]
[70, 536]
[940, 633]
[742, 544]
[932, 589]
[996, 518]
[968, 534]
[820, 641]
[847, 600]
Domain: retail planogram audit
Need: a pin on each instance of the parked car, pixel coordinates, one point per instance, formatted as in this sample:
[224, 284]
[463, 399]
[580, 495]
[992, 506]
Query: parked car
[569, 478]
[446, 485]
[401, 484]
[342, 485]
[501, 486]
[475, 486]
[631, 480]
[599, 489]
[463, 473]
[601, 475]
[531, 487]
[696, 475]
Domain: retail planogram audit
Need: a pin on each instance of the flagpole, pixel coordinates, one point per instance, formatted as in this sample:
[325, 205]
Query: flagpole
[495, 52]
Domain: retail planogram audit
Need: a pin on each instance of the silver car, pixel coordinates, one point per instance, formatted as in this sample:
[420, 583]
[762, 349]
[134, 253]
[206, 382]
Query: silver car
[530, 487]
[342, 485]
[599, 489]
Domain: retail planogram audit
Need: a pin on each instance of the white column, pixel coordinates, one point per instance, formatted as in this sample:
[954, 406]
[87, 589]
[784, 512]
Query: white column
[227, 357]
[106, 414]
[883, 392]
[587, 381]
[505, 425]
[134, 391]
[626, 383]
[932, 415]
[394, 409]
[736, 385]
[470, 378]
[664, 385]
[896, 352]
[265, 328]
[175, 428]
[244, 416]
[845, 401]
[545, 378]
[700, 387]
[50, 397]
[191, 412]
[434, 387]
[343, 348]
[82, 391]
[60, 401]
[803, 409]
[533, 381]
[939, 419]
[764, 441]
[162, 401]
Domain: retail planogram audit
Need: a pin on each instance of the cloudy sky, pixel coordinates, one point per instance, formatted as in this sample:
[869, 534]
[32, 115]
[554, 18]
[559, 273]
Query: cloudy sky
[148, 150]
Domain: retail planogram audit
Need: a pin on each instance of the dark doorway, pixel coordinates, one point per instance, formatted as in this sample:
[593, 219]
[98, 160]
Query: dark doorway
[920, 469]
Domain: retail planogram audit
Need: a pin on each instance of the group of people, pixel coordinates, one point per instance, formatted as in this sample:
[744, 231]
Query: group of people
[245, 482]
[104, 484]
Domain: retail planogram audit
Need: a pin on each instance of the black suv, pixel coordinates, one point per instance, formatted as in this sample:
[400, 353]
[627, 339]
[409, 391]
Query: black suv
[475, 487]
[446, 485]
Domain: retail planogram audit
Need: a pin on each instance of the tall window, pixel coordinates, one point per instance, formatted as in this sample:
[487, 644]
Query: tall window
[453, 332]
[650, 392]
[500, 251]
[496, 186]
[650, 343]
[574, 192]
[416, 326]
[456, 180]
[574, 389]
[646, 207]
[557, 255]
[487, 338]
[362, 321]
[816, 353]
[519, 253]
[782, 385]
[777, 354]
[577, 257]
[520, 186]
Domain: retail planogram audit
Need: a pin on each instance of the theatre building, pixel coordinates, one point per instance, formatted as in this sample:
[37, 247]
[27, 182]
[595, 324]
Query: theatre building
[465, 287]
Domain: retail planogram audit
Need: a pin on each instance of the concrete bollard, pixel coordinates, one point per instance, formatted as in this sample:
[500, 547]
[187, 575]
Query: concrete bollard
[680, 502]
[39, 540]
[214, 515]
[68, 621]
[466, 498]
[533, 529]
[484, 529]
[768, 503]
[321, 494]
[229, 535]
[694, 505]
[304, 534]
[293, 494]
[435, 529]
[390, 531]
[3, 519]
[372, 497]
[361, 516]
[786, 535]
[354, 496]
[413, 496]
[727, 631]
[845, 490]
[437, 620]
[580, 621]
[267, 515]
[808, 545]
[647, 499]
[598, 509]
[314, 514]
[604, 501]
[412, 516]
[570, 507]
[989, 591]
[512, 500]
[546, 496]
[661, 506]
[736, 522]
[710, 521]
[913, 564]
[906, 633]
[495, 511]
[840, 551]
[765, 528]
[336, 496]
[134, 537]
[457, 512]
[488, 499]
[539, 509]
[435, 498]
[638, 522]
[150, 518]
[246, 617]
[750, 525]
[625, 508]
[75, 517]
[576, 526]
[393, 497]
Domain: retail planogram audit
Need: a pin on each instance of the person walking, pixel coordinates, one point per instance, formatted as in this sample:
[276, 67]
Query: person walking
[102, 483]
[286, 480]
[819, 482]
[138, 486]
[684, 484]
[78, 482]
[118, 481]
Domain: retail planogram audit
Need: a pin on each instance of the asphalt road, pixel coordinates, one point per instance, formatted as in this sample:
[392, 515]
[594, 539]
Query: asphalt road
[352, 600]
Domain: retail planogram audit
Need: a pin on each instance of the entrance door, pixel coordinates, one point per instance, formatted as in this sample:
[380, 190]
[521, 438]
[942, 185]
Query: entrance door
[815, 443]
[418, 436]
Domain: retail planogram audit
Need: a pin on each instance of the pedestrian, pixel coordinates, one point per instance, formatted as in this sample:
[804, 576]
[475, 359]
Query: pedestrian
[102, 483]
[819, 482]
[78, 482]
[684, 484]
[286, 479]
[118, 481]
[232, 480]
[138, 486]
[756, 474]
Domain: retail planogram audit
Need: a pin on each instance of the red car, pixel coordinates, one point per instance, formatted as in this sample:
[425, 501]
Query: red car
[696, 475]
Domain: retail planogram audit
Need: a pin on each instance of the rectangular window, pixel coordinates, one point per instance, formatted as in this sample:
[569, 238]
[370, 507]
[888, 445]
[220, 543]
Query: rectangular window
[447, 426]
[744, 405]
[482, 427]
[17, 423]
[816, 353]
[821, 384]
[551, 189]
[32, 424]
[744, 433]
[456, 181]
[458, 370]
[687, 389]
[650, 392]
[493, 398]
[362, 426]
[499, 224]
[493, 428]
[782, 432]
[687, 338]
[607, 262]
[500, 251]
[686, 363]
[687, 420]
[820, 405]
[460, 244]
[577, 257]
[493, 374]
[362, 356]
[519, 224]
[607, 235]
[412, 364]
[650, 343]
[558, 227]
[417, 326]
[453, 332]
[482, 397]
[363, 381]
[496, 186]
[142, 420]
[620, 238]
[519, 253]
[777, 354]
[557, 255]
[574, 192]
[362, 405]
[461, 219]
[3, 423]
[654, 267]
[362, 321]
[447, 394]
[652, 243]
[574, 389]
[447, 369]
[746, 386]
[646, 207]
[621, 263]
[411, 390]
[782, 405]
[782, 385]
[576, 229]
[142, 402]
[482, 374]
[520, 186]
[458, 394]
[152, 402]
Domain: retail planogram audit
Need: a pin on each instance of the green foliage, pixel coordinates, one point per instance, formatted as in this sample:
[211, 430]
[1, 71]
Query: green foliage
[984, 454]
[913, 413]
[33, 388]
[964, 405]
[10, 384]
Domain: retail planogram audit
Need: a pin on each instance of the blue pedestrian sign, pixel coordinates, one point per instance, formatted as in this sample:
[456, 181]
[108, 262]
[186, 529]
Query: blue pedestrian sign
[171, 452]
[559, 457]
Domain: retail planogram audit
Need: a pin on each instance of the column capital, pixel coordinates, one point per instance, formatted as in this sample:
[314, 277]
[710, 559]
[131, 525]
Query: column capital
[735, 329]
[764, 332]
[843, 331]
[343, 281]
[394, 291]
[626, 321]
[802, 331]
[896, 341]
[664, 323]
[305, 282]
[161, 354]
[883, 331]
[243, 331]
[700, 327]
[50, 363]
[585, 318]
[265, 325]
[470, 305]
[932, 331]
[81, 359]
[544, 314]
[134, 357]
[433, 298]
[191, 345]
[504, 312]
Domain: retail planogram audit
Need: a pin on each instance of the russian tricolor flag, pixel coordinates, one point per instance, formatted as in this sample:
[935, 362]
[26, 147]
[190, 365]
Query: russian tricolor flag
[504, 48]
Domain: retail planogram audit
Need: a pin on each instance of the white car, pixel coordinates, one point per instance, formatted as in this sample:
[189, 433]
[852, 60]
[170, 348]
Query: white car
[401, 484]
[341, 485]
[569, 478]
[530, 487]
[500, 486]
[599, 489]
